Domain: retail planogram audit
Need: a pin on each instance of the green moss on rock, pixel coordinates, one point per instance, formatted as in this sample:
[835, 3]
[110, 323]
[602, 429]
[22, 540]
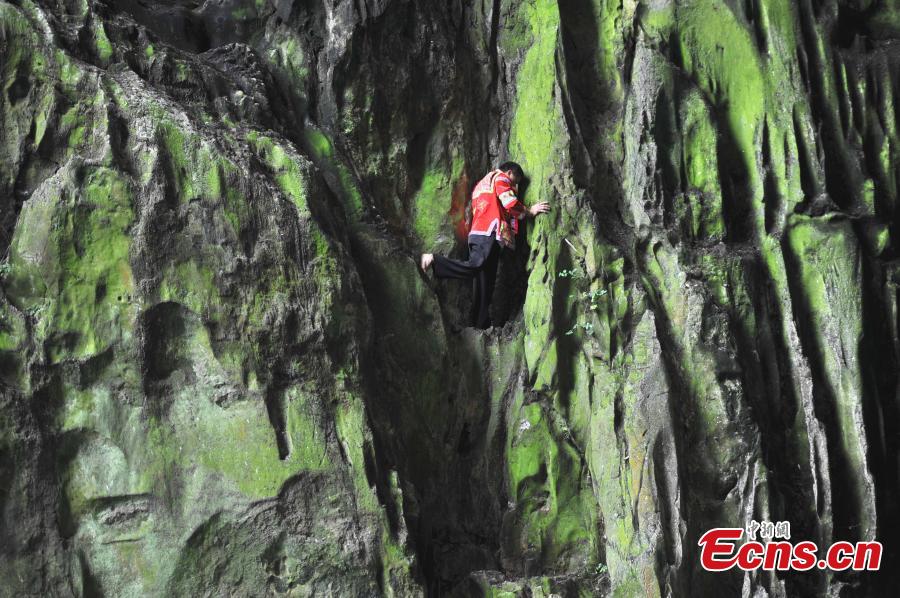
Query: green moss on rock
[70, 260]
[432, 204]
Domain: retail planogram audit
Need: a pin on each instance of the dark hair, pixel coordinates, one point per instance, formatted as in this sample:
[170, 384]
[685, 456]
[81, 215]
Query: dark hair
[514, 168]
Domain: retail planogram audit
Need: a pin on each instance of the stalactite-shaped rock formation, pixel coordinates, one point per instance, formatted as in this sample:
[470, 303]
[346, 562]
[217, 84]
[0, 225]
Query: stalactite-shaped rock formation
[221, 372]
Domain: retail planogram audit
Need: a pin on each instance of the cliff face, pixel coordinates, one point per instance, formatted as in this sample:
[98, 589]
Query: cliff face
[221, 372]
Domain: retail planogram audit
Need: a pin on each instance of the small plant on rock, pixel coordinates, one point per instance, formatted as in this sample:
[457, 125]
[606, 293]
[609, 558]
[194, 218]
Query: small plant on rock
[587, 300]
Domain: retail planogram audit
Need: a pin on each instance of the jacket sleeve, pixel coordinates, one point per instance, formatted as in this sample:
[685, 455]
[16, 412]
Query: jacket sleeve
[506, 193]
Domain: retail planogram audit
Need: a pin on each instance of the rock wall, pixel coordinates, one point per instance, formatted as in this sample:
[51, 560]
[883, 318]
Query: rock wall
[222, 373]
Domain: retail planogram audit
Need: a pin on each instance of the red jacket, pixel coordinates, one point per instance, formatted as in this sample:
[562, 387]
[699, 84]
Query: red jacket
[494, 199]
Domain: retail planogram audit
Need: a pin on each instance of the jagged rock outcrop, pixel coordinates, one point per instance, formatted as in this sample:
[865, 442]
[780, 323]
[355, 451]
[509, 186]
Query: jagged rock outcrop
[221, 372]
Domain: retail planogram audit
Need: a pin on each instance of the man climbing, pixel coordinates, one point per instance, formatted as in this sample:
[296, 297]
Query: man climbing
[496, 210]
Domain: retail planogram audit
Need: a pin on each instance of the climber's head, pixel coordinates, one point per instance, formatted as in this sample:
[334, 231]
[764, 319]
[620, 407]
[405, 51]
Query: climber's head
[514, 171]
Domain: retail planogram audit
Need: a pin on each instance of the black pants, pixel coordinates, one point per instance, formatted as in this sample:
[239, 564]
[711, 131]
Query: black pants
[481, 267]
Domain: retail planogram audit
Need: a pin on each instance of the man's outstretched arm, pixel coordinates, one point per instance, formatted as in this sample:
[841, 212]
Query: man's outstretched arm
[519, 211]
[507, 194]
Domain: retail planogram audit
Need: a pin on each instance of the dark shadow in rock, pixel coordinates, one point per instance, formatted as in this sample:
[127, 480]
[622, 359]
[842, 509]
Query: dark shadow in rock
[512, 275]
[10, 367]
[567, 345]
[773, 202]
[586, 96]
[175, 23]
[378, 479]
[20, 87]
[881, 415]
[126, 510]
[167, 330]
[91, 369]
[308, 537]
[165, 326]
[806, 164]
[666, 132]
[90, 585]
[199, 553]
[771, 393]
[735, 180]
[843, 176]
[701, 483]
[591, 104]
[846, 507]
[7, 471]
[34, 169]
[422, 389]
[278, 420]
[66, 451]
[850, 27]
[669, 554]
[119, 133]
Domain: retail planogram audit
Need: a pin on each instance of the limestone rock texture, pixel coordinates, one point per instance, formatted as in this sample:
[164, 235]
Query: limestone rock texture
[223, 374]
